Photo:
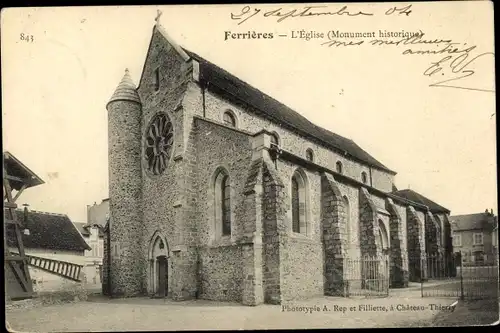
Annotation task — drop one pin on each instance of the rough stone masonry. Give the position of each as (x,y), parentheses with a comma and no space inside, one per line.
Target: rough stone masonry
(218,191)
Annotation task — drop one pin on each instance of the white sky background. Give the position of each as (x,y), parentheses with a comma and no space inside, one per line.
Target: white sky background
(441,141)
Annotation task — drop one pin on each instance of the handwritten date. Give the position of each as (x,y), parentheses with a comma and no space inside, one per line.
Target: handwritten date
(281,14)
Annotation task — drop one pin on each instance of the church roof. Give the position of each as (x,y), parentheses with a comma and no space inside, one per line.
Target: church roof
(48,231)
(279,112)
(126,90)
(270,107)
(419,198)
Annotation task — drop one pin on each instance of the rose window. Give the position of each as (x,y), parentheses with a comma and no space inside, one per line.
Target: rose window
(159,140)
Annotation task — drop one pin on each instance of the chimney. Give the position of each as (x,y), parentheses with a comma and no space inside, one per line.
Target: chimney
(491,209)
(26,231)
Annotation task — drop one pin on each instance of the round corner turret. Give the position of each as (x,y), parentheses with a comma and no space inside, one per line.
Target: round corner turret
(126,90)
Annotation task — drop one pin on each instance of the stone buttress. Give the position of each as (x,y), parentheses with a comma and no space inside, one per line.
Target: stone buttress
(398,255)
(416,246)
(333,221)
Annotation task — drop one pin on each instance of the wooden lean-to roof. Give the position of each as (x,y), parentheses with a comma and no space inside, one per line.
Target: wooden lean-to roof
(19,174)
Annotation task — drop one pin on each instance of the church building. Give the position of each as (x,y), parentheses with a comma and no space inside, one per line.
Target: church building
(220,192)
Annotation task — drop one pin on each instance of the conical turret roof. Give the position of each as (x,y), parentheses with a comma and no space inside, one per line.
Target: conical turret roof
(126,90)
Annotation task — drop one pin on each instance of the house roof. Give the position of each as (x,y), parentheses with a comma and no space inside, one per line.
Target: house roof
(85,228)
(17,169)
(49,231)
(419,198)
(482,221)
(280,113)
(82,228)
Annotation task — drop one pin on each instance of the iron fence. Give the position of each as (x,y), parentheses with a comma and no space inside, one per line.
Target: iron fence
(455,276)
(367,276)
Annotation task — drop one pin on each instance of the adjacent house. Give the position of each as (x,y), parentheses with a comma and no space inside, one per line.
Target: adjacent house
(54,237)
(92,232)
(475,236)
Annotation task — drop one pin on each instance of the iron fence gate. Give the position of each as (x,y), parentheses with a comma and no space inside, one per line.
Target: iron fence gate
(461,275)
(367,276)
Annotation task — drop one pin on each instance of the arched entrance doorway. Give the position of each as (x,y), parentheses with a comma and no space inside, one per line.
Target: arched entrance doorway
(158,266)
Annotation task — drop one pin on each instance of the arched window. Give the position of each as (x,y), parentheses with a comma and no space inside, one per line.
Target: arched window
(275,141)
(229,119)
(222,204)
(383,236)
(299,202)
(295,205)
(339,166)
(364,178)
(309,155)
(347,211)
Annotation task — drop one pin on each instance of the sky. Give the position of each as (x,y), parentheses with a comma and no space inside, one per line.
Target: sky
(439,140)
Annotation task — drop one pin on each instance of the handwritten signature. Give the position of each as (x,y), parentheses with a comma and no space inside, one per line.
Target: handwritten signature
(459,66)
(456,65)
(248,12)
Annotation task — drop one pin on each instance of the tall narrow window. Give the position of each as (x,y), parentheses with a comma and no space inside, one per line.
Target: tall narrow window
(364,178)
(157,79)
(226,206)
(222,225)
(229,119)
(274,140)
(295,205)
(299,196)
(339,167)
(347,211)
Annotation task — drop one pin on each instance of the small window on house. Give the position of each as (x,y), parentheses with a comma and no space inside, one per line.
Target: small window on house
(309,155)
(157,79)
(457,240)
(229,119)
(275,140)
(478,238)
(339,167)
(364,179)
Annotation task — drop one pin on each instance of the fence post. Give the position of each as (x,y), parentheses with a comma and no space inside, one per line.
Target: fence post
(421,278)
(388,274)
(461,278)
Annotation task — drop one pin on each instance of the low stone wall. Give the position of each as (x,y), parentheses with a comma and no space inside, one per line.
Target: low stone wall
(69,294)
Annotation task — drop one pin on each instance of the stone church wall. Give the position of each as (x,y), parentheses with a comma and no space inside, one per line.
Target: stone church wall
(305,269)
(164,196)
(302,253)
(221,262)
(221,273)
